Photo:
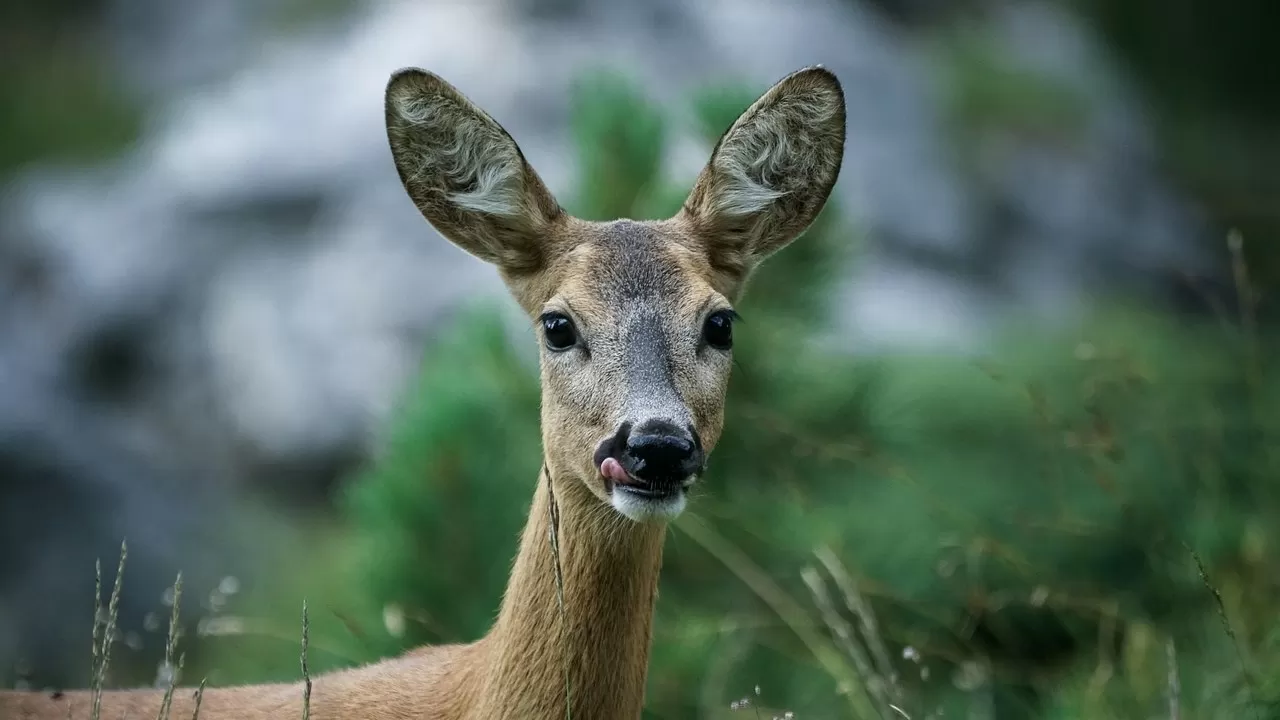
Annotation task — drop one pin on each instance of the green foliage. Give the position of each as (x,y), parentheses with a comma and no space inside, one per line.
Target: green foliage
(1021,521)
(620,141)
(57,99)
(475,393)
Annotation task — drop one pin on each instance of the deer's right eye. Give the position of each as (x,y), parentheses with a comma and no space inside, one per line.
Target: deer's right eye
(559,332)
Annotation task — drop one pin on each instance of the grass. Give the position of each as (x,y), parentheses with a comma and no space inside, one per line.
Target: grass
(102,643)
(1221,608)
(853,633)
(104,630)
(306,672)
(171,643)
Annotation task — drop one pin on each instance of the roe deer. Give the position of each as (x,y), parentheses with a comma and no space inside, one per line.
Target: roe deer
(636,325)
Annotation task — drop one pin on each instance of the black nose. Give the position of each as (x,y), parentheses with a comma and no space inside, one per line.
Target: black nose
(659,453)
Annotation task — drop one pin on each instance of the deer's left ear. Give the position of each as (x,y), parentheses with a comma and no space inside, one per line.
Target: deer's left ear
(771,173)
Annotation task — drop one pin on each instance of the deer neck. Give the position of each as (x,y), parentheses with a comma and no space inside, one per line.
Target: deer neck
(592,627)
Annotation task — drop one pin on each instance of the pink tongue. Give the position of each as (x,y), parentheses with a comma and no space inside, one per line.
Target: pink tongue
(612,469)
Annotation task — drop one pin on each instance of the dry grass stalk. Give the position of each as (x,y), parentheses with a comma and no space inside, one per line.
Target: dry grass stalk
(199,697)
(1227,628)
(848,642)
(102,650)
(306,672)
(861,610)
(166,705)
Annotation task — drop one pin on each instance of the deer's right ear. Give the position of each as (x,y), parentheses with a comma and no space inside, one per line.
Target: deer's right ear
(466,174)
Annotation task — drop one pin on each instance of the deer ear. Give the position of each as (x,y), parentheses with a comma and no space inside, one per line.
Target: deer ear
(771,172)
(465,173)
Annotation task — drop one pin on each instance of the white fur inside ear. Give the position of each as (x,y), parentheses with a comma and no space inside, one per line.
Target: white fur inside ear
(742,162)
(772,153)
(464,149)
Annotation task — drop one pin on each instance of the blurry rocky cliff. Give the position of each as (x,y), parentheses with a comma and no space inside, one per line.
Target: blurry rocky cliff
(223,291)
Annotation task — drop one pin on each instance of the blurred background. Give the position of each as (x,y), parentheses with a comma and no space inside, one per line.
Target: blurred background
(1007,412)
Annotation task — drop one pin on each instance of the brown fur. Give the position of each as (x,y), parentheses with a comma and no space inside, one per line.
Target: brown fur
(575,625)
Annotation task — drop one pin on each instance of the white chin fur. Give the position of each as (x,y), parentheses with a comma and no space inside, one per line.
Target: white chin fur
(646,509)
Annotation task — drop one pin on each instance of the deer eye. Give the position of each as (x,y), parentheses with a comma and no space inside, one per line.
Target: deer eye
(718,329)
(559,332)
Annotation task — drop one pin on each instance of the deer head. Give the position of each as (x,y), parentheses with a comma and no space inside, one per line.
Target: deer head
(635,319)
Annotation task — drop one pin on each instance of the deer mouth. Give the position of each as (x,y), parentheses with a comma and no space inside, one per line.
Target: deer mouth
(618,478)
(644,500)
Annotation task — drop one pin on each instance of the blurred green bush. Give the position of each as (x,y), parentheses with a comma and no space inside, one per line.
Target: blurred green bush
(58,98)
(1022,524)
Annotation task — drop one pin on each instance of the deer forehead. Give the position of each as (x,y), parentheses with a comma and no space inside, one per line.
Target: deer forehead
(621,271)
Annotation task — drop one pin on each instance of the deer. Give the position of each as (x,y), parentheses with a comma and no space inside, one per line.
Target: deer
(635,325)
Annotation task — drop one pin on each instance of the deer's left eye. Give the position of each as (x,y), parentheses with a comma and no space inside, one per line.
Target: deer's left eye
(718,330)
